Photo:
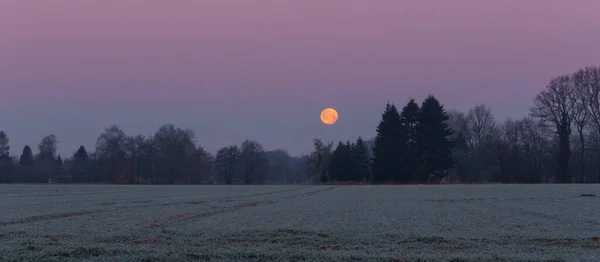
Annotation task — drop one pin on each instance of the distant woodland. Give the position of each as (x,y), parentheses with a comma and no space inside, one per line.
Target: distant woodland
(558,142)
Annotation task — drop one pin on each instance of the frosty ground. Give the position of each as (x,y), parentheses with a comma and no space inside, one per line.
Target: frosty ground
(290,223)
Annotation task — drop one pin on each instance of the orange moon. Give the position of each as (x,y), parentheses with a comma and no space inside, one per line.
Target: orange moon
(329,116)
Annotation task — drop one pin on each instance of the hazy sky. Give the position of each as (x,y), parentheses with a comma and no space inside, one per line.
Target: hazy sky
(232,70)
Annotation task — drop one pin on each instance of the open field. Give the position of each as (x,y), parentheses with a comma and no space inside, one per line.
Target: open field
(290,223)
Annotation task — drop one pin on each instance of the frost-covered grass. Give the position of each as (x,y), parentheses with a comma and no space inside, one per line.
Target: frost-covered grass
(290,223)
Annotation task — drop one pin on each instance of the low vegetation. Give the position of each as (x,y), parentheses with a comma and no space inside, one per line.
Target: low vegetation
(291,223)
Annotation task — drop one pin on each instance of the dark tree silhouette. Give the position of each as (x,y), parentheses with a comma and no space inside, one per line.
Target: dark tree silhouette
(46,162)
(554,106)
(4,147)
(226,163)
(342,166)
(81,168)
(110,150)
(5,161)
(317,164)
(411,146)
(175,146)
(586,98)
(433,140)
(410,161)
(362,161)
(26,158)
(254,162)
(388,149)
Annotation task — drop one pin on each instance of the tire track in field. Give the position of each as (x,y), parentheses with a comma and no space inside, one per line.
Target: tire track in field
(264,194)
(190,216)
(54,216)
(125,193)
(78,193)
(164,222)
(314,192)
(33,219)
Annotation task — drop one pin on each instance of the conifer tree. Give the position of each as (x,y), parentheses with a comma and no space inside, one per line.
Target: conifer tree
(361,160)
(388,148)
(338,162)
(433,140)
(81,168)
(352,173)
(26,158)
(410,161)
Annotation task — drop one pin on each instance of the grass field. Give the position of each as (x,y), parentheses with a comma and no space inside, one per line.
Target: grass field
(290,223)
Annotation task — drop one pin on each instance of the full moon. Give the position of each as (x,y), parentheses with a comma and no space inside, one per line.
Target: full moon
(329,116)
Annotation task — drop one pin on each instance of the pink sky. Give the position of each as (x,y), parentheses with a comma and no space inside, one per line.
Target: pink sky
(264,69)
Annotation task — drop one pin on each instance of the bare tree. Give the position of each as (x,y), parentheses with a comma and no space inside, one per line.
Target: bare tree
(472,140)
(319,160)
(520,149)
(203,163)
(46,162)
(592,156)
(48,146)
(511,166)
(226,163)
(134,148)
(254,162)
(111,141)
(533,146)
(580,119)
(4,148)
(587,100)
(457,121)
(479,125)
(110,149)
(5,160)
(587,84)
(555,108)
(175,148)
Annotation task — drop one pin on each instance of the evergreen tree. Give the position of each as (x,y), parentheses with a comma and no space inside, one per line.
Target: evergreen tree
(410,119)
(26,159)
(388,148)
(337,165)
(350,162)
(81,168)
(351,166)
(433,140)
(361,160)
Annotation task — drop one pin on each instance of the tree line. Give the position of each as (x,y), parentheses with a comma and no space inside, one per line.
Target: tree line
(170,156)
(420,143)
(564,118)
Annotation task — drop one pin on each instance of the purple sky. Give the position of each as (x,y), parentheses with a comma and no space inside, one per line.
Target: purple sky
(264,70)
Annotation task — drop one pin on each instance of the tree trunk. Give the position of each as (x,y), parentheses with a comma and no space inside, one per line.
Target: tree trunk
(582,156)
(563,157)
